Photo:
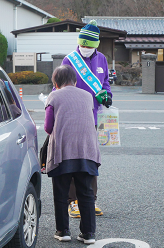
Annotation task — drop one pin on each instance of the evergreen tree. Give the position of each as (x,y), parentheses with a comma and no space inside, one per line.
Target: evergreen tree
(3,48)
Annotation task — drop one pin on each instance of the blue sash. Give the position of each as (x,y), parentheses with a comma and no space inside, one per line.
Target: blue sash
(84,72)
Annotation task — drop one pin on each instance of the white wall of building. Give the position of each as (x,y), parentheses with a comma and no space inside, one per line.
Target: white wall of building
(12,18)
(7,23)
(28,19)
(49,42)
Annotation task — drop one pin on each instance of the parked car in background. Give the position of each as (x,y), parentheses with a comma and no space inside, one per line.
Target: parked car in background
(112,76)
(20,176)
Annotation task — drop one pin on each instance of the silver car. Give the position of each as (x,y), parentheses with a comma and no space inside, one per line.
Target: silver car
(20,175)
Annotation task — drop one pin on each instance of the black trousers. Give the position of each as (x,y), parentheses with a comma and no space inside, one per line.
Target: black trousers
(85,196)
(72,190)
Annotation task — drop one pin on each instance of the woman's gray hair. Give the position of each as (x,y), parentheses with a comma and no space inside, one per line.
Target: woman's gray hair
(63,75)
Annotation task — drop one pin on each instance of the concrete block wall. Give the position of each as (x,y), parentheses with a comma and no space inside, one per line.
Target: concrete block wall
(45,67)
(57,59)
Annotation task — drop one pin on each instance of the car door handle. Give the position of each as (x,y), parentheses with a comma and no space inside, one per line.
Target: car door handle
(21,140)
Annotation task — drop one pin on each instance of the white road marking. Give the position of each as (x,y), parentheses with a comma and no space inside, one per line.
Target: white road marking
(120,111)
(102,242)
(140,128)
(37,110)
(135,127)
(143,128)
(140,111)
(153,127)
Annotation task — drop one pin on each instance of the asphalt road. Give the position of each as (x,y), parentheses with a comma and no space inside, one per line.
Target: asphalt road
(131,177)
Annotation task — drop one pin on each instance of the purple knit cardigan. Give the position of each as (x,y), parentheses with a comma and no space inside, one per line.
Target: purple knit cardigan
(74,135)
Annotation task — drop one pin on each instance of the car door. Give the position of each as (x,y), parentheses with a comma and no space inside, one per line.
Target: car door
(13,148)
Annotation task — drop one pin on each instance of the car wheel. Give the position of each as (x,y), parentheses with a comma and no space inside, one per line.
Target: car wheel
(26,235)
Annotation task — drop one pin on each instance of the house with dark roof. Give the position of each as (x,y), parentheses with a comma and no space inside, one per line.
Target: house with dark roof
(18,14)
(61,38)
(144,35)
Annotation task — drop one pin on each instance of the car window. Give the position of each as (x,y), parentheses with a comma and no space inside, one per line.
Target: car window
(4,112)
(9,109)
(4,78)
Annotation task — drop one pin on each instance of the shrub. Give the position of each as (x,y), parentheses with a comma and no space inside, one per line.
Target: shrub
(3,48)
(51,20)
(28,77)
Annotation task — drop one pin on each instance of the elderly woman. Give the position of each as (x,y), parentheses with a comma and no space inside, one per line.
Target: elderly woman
(73,152)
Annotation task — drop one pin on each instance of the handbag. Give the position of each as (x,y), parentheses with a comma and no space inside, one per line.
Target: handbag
(43,155)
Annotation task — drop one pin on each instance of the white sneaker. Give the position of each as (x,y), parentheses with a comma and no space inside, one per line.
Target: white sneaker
(63,236)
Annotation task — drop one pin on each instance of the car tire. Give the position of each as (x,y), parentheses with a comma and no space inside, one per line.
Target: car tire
(26,235)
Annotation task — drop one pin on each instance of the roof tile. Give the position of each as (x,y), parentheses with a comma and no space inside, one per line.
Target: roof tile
(133,25)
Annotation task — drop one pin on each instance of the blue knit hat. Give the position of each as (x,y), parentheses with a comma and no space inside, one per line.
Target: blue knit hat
(89,35)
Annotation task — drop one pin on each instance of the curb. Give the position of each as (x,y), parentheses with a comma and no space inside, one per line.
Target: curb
(34,89)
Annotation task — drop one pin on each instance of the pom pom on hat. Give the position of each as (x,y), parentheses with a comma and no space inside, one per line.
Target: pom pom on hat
(93,22)
(89,35)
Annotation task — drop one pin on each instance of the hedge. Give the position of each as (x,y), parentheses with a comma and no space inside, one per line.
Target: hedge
(3,48)
(28,77)
(52,20)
